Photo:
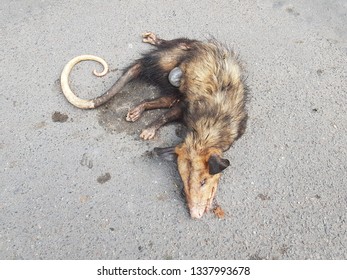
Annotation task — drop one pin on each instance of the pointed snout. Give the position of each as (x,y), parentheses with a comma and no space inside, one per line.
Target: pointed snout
(197,213)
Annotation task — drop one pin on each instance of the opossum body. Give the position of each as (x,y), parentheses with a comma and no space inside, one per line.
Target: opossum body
(203,85)
(214,113)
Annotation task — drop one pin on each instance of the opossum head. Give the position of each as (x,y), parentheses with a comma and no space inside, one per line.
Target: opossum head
(200,171)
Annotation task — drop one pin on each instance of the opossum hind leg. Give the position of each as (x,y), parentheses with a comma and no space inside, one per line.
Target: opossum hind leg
(173,114)
(158,103)
(151,38)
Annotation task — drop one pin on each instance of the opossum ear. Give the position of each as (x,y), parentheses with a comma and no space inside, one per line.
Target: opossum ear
(217,164)
(166,153)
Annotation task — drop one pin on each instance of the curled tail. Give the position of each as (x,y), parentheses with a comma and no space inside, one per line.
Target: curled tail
(131,73)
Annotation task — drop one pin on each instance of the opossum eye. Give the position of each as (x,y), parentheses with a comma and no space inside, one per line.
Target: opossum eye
(202,183)
(175,76)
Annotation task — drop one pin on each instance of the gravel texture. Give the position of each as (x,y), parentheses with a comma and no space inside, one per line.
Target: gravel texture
(79,184)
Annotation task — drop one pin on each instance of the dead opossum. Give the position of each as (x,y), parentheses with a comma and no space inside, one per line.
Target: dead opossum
(205,88)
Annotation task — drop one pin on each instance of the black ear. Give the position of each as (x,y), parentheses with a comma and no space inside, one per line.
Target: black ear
(217,164)
(166,153)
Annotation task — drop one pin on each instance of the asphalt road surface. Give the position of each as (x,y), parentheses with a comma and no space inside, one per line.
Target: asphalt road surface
(81,184)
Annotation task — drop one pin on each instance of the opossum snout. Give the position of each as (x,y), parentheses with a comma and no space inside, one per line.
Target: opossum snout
(197,208)
(175,76)
(197,213)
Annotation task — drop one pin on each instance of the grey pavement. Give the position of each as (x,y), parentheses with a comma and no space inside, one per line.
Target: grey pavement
(79,184)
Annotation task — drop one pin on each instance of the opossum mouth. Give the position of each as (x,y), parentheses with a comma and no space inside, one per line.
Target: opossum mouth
(210,200)
(198,210)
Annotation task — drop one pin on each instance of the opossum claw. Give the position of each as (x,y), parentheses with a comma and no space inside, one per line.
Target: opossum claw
(148,133)
(135,113)
(150,38)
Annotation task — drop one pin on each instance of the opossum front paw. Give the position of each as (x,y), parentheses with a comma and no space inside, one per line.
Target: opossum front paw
(148,133)
(150,38)
(135,113)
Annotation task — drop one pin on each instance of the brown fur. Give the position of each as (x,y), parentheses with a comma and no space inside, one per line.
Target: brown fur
(214,96)
(215,118)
